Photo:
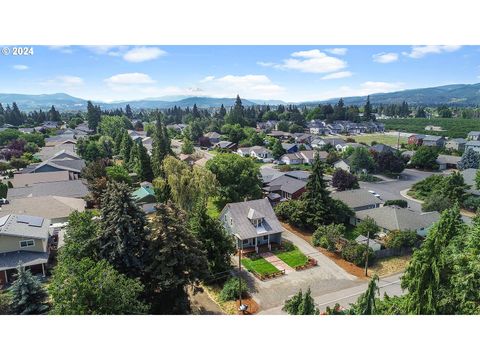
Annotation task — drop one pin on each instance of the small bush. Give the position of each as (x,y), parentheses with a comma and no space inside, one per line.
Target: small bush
(401,239)
(472,203)
(230,289)
(355,253)
(400,203)
(288,246)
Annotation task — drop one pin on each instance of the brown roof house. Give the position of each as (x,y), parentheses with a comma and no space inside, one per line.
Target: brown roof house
(252,224)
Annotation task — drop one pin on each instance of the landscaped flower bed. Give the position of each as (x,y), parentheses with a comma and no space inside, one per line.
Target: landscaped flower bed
(310,263)
(260,267)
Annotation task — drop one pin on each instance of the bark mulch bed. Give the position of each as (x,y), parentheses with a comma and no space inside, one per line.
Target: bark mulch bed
(311,263)
(345,265)
(252,306)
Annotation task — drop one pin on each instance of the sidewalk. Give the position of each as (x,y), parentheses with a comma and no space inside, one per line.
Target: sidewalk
(275,261)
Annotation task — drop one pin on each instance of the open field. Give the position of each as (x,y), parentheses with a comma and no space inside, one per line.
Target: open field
(379,138)
(453,128)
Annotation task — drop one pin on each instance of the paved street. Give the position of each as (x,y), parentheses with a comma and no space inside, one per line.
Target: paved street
(390,190)
(325,278)
(344,297)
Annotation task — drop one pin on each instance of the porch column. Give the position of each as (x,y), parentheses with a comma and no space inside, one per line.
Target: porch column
(43,270)
(268,242)
(6,277)
(256,244)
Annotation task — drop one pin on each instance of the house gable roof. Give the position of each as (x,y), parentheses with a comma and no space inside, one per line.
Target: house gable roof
(356,198)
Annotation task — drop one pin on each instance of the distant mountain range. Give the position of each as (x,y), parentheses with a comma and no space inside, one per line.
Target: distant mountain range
(457,94)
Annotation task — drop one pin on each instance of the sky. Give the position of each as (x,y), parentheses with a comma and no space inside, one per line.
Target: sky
(289,73)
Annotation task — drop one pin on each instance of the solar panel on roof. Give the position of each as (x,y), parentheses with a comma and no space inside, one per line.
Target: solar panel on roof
(30,220)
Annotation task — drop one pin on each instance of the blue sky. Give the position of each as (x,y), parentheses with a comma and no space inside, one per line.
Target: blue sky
(290,73)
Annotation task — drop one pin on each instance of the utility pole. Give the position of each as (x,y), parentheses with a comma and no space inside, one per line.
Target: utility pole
(366,254)
(241,307)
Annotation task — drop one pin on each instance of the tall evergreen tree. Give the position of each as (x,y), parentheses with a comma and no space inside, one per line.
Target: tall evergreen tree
(123,230)
(175,260)
(237,113)
(366,302)
(367,110)
(93,116)
(126,147)
(128,111)
(222,112)
(427,274)
(217,244)
(54,115)
(28,296)
(142,165)
(160,147)
(15,117)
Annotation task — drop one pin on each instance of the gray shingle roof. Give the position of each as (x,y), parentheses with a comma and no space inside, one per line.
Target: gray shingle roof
(356,198)
(49,151)
(12,259)
(69,188)
(66,164)
(243,228)
(27,179)
(396,218)
(10,225)
(286,183)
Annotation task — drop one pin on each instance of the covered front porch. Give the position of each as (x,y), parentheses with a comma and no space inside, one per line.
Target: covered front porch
(258,244)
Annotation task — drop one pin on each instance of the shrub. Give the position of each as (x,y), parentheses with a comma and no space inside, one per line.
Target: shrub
(285,168)
(400,203)
(400,239)
(355,253)
(327,236)
(230,289)
(343,180)
(436,202)
(472,203)
(5,303)
(288,246)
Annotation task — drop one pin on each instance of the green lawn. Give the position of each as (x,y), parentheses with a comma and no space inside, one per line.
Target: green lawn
(293,258)
(212,209)
(379,138)
(260,266)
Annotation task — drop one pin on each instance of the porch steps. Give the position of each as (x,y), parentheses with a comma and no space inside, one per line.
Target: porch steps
(275,261)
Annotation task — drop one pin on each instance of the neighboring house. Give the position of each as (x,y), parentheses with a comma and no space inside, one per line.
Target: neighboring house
(261,153)
(432,140)
(291,159)
(457,144)
(147,143)
(345,146)
(187,158)
(280,135)
(318,127)
(74,167)
(144,196)
(226,145)
(337,143)
(357,200)
(287,187)
(28,179)
(252,224)
(177,127)
(473,144)
(26,130)
(298,174)
(46,153)
(201,162)
(469,176)
(473,135)
(447,161)
(415,139)
(309,155)
(290,148)
(390,218)
(342,164)
(382,148)
(213,136)
(268,174)
(301,138)
(23,239)
(372,243)
(58,140)
(66,188)
(55,208)
(244,151)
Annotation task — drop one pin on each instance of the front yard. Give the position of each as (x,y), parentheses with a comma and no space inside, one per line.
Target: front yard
(259,265)
(293,258)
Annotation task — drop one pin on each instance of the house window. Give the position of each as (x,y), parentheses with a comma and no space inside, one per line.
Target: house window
(231,222)
(265,237)
(27,243)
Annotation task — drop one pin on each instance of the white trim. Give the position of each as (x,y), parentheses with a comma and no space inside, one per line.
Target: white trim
(27,242)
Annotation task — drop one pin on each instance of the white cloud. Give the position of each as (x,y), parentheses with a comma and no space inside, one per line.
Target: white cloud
(107,49)
(250,86)
(21,67)
(418,52)
(140,54)
(385,58)
(63,81)
(337,75)
(312,61)
(207,78)
(129,79)
(265,63)
(337,51)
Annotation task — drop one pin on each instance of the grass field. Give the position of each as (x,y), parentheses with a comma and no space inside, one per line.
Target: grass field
(379,138)
(453,128)
(260,266)
(293,258)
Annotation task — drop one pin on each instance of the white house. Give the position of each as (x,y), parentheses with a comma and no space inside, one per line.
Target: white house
(261,153)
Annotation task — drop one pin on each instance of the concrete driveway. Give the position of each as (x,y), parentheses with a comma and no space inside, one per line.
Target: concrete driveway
(325,278)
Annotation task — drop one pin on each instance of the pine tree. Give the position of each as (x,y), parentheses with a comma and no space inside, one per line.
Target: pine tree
(15,117)
(366,302)
(123,230)
(187,146)
(237,113)
(222,112)
(470,160)
(126,147)
(93,116)
(367,110)
(160,147)
(307,306)
(54,115)
(175,260)
(217,244)
(28,296)
(195,112)
(128,112)
(143,167)
(277,149)
(427,274)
